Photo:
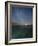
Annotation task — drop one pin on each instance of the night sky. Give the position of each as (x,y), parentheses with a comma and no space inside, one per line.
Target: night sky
(21,15)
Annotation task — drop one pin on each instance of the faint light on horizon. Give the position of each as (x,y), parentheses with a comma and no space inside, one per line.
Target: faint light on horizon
(26,24)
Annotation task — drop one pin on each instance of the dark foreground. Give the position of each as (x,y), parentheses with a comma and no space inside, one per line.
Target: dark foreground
(21,31)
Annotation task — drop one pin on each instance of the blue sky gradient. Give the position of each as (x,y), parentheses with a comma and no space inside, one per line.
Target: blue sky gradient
(21,15)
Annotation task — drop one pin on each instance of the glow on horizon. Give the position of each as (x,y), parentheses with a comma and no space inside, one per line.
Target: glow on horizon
(26,24)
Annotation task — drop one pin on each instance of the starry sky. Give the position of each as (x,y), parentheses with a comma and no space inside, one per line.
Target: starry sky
(21,15)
